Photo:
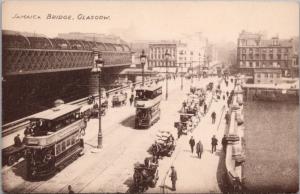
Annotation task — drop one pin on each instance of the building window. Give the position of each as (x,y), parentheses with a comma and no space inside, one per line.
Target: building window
(256,56)
(266,75)
(271,56)
(271,50)
(250,64)
(243,57)
(258,75)
(264,56)
(258,81)
(250,50)
(243,50)
(278,50)
(251,56)
(256,64)
(271,75)
(278,75)
(279,56)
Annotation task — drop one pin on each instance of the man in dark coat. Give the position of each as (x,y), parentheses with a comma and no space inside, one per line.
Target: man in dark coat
(18,141)
(213,117)
(131,99)
(192,144)
(70,190)
(205,108)
(214,143)
(227,117)
(199,149)
(173,176)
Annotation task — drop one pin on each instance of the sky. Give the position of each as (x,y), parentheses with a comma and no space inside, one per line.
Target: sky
(219,21)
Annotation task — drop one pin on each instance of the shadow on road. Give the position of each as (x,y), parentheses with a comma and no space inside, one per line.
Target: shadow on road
(20,169)
(128,122)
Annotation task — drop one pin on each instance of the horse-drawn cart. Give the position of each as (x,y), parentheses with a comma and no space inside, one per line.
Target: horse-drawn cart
(119,99)
(145,176)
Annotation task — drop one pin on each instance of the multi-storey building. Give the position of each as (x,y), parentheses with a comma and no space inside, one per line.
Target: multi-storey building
(255,52)
(156,57)
(267,76)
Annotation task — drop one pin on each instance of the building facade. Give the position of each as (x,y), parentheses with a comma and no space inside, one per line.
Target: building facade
(254,51)
(267,76)
(157,60)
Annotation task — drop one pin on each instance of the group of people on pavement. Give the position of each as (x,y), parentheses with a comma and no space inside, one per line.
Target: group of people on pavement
(199,146)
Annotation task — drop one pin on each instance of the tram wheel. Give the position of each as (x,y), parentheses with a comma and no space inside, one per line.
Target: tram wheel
(11,160)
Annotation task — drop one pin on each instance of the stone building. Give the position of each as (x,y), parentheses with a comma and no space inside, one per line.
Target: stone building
(255,52)
(156,57)
(267,76)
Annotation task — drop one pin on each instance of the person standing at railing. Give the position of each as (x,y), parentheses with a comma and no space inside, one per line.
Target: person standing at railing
(214,143)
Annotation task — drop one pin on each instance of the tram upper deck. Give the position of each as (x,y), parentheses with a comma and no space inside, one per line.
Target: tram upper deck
(52,125)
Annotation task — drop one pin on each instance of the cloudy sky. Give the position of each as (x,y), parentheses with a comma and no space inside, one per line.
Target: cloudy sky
(152,20)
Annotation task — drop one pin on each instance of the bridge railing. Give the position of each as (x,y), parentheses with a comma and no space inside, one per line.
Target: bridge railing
(20,124)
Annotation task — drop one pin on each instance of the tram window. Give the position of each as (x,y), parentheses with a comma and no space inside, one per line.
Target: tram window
(68,142)
(73,139)
(58,149)
(63,146)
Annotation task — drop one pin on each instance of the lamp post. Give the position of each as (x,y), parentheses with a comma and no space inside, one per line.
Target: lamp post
(192,71)
(167,55)
(143,61)
(97,70)
(199,69)
(181,86)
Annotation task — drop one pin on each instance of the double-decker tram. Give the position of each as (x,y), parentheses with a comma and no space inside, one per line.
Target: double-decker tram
(54,140)
(147,105)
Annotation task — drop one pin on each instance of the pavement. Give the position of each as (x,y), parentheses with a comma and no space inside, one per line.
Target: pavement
(195,175)
(111,169)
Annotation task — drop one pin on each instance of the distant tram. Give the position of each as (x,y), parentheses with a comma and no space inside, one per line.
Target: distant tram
(54,140)
(147,105)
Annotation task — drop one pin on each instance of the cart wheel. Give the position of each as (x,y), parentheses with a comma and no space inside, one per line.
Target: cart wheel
(11,160)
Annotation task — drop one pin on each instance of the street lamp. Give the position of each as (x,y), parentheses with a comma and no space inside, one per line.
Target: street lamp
(192,71)
(199,69)
(181,86)
(97,70)
(167,56)
(143,61)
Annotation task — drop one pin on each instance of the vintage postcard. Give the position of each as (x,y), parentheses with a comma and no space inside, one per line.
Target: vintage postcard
(150,96)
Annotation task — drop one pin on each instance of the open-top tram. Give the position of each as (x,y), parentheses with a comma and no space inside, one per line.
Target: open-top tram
(147,105)
(54,140)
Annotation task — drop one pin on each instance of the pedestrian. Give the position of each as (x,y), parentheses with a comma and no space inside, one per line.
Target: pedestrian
(227,117)
(224,143)
(28,131)
(192,143)
(227,93)
(205,108)
(199,148)
(70,190)
(213,117)
(214,143)
(173,176)
(179,129)
(223,97)
(131,99)
(17,140)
